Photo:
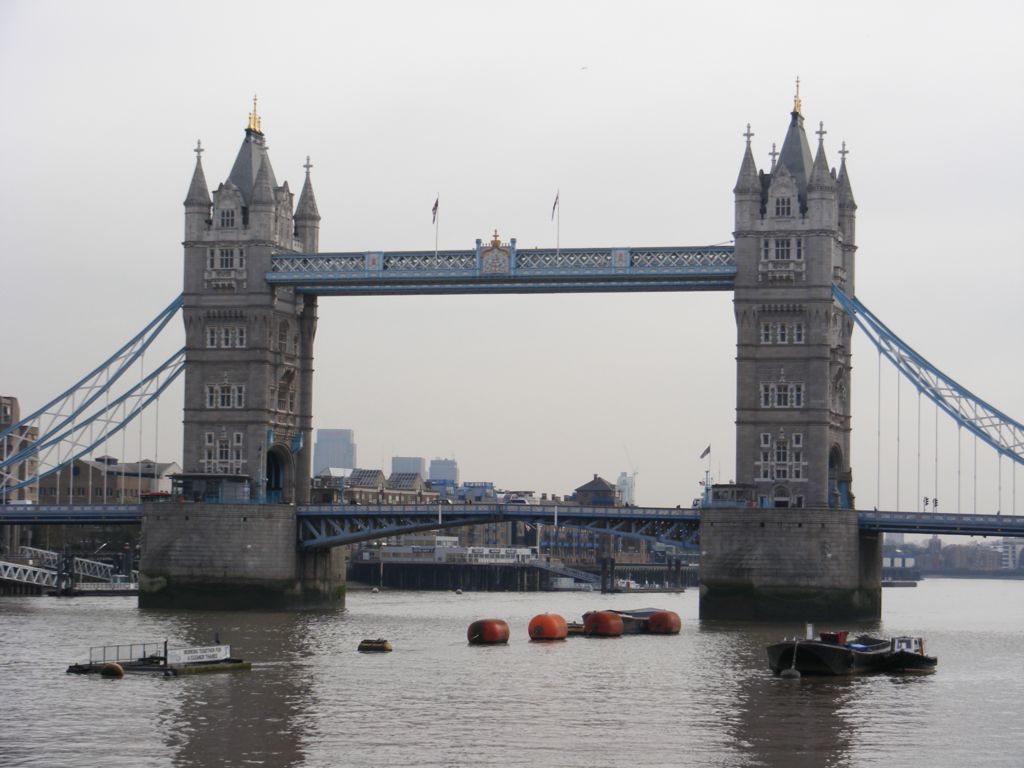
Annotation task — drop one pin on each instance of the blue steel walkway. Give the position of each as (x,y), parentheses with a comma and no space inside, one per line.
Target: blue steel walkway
(502,268)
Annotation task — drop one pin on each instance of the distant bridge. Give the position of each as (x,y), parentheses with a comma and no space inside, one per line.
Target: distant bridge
(324,526)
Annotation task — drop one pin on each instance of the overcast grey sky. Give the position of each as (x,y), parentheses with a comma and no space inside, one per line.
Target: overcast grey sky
(633,110)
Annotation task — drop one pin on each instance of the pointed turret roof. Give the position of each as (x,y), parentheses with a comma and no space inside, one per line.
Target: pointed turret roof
(821,177)
(306,209)
(252,156)
(796,154)
(262,190)
(843,183)
(198,192)
(748,180)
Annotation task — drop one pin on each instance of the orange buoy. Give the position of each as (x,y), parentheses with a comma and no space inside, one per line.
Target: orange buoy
(112,669)
(602,624)
(664,623)
(487,632)
(548,626)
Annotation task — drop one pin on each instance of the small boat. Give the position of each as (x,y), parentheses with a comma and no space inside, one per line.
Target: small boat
(158,659)
(380,645)
(830,654)
(575,628)
(907,655)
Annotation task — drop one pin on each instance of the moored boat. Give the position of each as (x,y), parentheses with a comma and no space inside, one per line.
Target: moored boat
(907,655)
(830,654)
(158,659)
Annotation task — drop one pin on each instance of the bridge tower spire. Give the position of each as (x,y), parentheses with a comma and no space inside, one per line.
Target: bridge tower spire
(249,346)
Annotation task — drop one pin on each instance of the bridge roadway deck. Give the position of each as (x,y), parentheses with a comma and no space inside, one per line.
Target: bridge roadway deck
(329,525)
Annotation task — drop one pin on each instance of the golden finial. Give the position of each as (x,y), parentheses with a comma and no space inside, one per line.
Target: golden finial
(497,240)
(254,119)
(796,99)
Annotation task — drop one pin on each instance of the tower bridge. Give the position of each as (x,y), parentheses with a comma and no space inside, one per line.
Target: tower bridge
(253,274)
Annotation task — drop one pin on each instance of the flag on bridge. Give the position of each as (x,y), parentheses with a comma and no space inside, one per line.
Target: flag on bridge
(555,206)
(706,452)
(433,211)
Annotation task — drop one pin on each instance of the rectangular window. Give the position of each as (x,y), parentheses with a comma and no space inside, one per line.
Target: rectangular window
(766,333)
(239,395)
(238,438)
(781,472)
(782,249)
(766,396)
(781,452)
(225,338)
(209,438)
(211,397)
(796,471)
(237,454)
(783,333)
(211,337)
(291,402)
(783,206)
(798,333)
(241,258)
(781,397)
(211,259)
(223,453)
(240,339)
(798,439)
(766,440)
(799,249)
(798,501)
(227,258)
(225,396)
(798,395)
(765,249)
(227,219)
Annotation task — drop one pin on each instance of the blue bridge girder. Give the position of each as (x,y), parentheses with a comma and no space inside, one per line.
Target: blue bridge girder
(70,514)
(1009,526)
(548,270)
(332,525)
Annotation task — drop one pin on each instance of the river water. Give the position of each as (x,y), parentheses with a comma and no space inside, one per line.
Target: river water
(703,698)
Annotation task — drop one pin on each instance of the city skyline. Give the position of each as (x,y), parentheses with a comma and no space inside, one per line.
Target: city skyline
(639,149)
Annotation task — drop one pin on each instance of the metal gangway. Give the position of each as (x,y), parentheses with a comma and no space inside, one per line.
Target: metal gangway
(22,573)
(564,570)
(81,567)
(65,573)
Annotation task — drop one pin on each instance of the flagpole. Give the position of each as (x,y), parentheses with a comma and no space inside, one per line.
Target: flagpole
(437,224)
(558,227)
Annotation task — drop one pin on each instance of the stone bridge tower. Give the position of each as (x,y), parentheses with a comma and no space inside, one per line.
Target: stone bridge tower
(796,551)
(249,346)
(795,237)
